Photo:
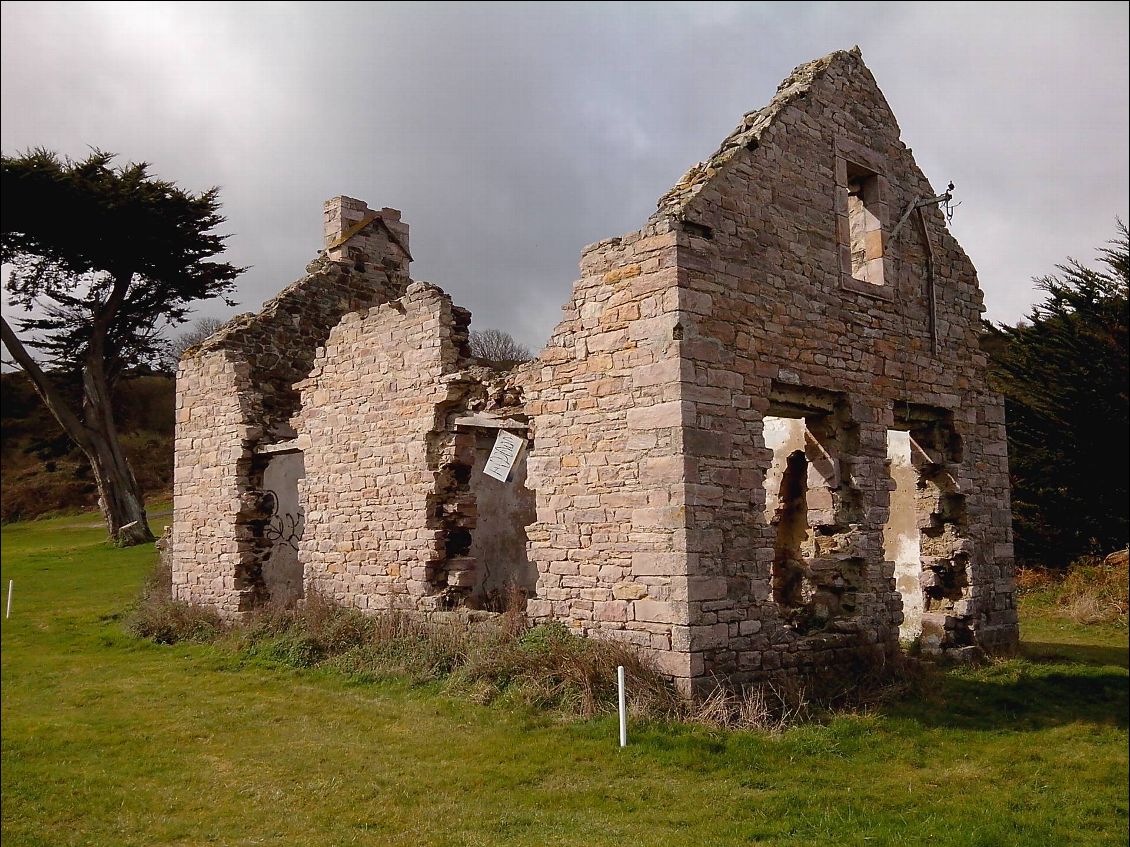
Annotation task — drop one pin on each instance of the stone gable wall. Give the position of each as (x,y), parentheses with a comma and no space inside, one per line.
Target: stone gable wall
(236,394)
(768,305)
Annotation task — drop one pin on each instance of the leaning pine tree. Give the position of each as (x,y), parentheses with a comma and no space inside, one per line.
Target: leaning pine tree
(102,259)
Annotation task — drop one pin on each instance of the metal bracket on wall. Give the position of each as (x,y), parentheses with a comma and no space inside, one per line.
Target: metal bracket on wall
(917,203)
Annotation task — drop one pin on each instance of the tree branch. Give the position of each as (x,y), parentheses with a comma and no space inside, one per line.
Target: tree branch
(46,390)
(121,287)
(102,319)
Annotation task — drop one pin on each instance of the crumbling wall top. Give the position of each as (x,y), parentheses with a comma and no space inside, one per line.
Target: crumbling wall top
(746,135)
(364,263)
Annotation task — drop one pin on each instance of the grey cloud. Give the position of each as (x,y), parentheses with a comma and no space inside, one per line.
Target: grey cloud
(510,136)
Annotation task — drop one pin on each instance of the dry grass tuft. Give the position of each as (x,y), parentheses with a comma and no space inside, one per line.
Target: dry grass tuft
(1095,591)
(485,658)
(769,707)
(488,658)
(1034,579)
(159,617)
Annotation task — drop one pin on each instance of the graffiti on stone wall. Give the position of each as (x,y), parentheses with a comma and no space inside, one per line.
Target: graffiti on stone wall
(282,527)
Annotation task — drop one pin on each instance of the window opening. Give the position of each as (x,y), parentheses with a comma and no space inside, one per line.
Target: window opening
(865,226)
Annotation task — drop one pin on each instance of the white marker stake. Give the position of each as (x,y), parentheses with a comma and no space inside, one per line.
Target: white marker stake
(9,599)
(623,706)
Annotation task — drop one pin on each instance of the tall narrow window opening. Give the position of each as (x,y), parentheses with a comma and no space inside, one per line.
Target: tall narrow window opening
(925,536)
(862,220)
(865,225)
(791,586)
(812,508)
(902,540)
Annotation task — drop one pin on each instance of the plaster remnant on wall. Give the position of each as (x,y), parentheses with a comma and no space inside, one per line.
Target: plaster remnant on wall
(901,536)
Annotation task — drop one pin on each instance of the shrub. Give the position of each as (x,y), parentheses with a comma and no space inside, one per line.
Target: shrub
(157,616)
(483,657)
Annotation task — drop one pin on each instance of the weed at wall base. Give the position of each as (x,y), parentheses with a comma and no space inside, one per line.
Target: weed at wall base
(496,658)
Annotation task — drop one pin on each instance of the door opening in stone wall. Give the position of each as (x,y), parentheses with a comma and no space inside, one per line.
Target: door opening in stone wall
(817,574)
(280,531)
(933,554)
(901,536)
(502,574)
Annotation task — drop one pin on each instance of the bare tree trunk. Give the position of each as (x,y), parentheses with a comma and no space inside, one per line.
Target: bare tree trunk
(120,497)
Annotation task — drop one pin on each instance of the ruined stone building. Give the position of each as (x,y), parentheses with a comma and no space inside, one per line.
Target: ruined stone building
(759,442)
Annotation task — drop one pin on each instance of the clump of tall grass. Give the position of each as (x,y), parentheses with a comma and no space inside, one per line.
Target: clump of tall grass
(1094,590)
(159,617)
(769,706)
(486,658)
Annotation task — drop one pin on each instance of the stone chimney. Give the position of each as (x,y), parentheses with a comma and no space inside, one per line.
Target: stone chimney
(359,236)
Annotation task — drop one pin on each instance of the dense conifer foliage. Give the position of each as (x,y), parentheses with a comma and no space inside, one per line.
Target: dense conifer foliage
(1063,373)
(103,258)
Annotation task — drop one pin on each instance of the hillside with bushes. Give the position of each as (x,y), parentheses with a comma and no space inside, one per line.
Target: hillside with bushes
(44,472)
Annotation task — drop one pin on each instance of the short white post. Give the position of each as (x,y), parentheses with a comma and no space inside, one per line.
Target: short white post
(623,706)
(9,614)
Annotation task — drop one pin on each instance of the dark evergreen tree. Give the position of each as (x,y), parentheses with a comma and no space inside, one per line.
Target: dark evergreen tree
(1063,373)
(104,257)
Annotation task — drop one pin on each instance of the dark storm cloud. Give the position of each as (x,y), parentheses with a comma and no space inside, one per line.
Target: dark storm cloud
(510,136)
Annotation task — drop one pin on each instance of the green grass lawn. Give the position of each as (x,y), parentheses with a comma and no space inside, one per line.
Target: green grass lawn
(110,740)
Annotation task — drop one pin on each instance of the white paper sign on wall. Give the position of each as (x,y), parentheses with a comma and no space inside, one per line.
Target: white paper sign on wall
(502,457)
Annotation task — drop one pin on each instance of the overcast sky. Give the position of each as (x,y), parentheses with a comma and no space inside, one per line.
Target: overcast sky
(512,135)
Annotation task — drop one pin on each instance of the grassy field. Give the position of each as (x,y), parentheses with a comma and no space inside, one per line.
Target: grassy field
(110,740)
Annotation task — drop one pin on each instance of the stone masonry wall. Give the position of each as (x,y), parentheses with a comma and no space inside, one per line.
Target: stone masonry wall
(737,301)
(378,451)
(209,479)
(768,286)
(768,307)
(606,464)
(235,393)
